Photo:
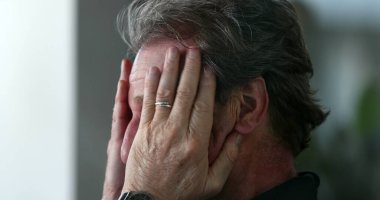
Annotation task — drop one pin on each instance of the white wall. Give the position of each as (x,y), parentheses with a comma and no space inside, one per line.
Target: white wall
(37,58)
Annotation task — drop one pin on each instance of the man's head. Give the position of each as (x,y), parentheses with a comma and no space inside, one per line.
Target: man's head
(245,43)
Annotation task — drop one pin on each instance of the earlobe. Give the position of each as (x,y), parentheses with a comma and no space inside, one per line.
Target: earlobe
(254,106)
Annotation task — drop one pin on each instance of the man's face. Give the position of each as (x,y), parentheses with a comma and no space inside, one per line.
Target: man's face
(153,54)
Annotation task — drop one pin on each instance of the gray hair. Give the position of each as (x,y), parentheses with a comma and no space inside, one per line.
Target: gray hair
(240,40)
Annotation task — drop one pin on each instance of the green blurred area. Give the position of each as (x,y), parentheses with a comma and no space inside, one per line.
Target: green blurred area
(349,164)
(368,121)
(345,150)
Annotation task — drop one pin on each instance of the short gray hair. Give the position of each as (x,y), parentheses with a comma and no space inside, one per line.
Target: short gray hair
(240,40)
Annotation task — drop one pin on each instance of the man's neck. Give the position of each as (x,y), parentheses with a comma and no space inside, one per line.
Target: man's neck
(263,163)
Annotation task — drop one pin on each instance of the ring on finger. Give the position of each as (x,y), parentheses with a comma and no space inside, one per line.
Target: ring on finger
(165,104)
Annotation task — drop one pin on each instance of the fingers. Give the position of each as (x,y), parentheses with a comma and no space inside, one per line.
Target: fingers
(126,66)
(222,167)
(114,177)
(168,82)
(202,115)
(121,113)
(152,79)
(187,88)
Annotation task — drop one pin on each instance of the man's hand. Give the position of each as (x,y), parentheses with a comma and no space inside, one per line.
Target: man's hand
(169,155)
(115,170)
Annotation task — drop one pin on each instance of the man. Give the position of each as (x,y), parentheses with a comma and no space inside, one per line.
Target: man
(217,104)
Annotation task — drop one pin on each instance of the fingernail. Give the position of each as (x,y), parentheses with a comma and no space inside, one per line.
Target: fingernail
(122,65)
(125,64)
(128,63)
(125,67)
(239,139)
(193,47)
(122,68)
(172,52)
(208,73)
(152,72)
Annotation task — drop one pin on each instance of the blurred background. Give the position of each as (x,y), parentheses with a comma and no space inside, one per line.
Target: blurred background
(59,63)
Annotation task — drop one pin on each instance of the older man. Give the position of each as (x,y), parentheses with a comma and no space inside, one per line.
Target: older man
(216,105)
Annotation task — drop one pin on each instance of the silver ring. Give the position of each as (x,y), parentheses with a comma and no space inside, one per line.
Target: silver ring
(165,104)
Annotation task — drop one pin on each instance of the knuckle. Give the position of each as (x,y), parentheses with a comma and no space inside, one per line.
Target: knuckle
(148,103)
(184,93)
(171,65)
(164,94)
(183,103)
(150,93)
(193,57)
(117,116)
(215,188)
(202,107)
(120,99)
(189,68)
(172,128)
(175,129)
(192,148)
(231,155)
(208,82)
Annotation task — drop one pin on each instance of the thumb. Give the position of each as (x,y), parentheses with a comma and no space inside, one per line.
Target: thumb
(222,167)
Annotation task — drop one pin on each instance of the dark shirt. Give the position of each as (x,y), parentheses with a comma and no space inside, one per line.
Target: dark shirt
(304,186)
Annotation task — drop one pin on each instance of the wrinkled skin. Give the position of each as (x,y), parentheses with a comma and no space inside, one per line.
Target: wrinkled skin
(168,152)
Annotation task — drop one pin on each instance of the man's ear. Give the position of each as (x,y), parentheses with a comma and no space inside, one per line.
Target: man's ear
(254,106)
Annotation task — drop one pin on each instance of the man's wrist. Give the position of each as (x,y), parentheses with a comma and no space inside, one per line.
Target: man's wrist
(135,196)
(135,191)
